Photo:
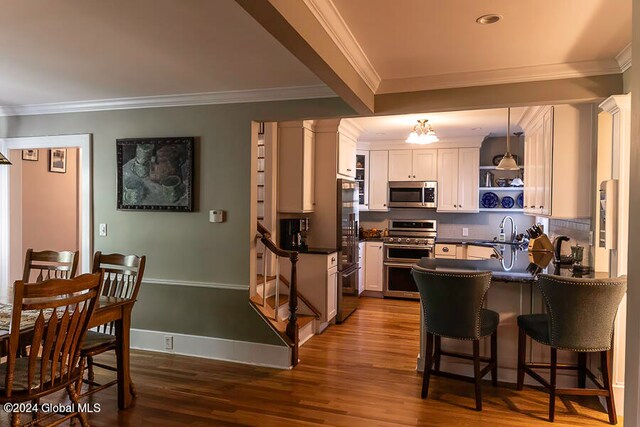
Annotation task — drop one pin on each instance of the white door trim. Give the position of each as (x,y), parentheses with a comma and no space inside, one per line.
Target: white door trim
(83,143)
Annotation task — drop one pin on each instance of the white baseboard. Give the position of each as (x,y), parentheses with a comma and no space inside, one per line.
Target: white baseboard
(248,353)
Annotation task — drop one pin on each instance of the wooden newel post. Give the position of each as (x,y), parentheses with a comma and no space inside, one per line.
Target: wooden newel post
(292,326)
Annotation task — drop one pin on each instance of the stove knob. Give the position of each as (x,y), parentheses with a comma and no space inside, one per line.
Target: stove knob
(407,240)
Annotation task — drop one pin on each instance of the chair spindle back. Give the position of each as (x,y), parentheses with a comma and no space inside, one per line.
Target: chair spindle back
(48,265)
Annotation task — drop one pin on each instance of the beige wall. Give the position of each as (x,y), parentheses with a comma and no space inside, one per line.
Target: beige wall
(50,204)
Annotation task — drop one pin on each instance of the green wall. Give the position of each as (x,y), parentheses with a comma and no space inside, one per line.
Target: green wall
(184,246)
(626,81)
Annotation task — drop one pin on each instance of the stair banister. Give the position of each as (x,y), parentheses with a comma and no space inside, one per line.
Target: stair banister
(292,325)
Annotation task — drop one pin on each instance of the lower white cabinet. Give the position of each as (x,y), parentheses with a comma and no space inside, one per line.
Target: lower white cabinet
(361,263)
(332,293)
(318,282)
(373,266)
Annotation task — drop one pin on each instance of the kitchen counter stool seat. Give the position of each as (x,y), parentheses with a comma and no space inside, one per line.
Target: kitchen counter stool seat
(580,319)
(452,305)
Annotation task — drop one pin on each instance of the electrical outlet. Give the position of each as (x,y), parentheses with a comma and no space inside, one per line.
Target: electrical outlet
(102,230)
(168,342)
(465,232)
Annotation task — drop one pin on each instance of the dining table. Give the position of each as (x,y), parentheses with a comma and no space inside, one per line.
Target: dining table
(109,309)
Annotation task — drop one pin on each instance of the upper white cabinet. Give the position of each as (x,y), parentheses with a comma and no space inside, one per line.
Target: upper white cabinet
(400,165)
(296,167)
(378,180)
(413,165)
(557,161)
(346,156)
(348,133)
(425,165)
(458,179)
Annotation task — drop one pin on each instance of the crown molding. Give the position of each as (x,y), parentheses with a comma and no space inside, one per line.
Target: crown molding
(350,128)
(530,114)
(501,76)
(616,103)
(624,58)
(205,98)
(329,17)
(399,144)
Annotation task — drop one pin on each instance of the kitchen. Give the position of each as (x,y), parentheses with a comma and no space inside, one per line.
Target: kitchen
(447,199)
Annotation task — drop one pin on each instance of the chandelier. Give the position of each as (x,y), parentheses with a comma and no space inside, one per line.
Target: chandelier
(422,134)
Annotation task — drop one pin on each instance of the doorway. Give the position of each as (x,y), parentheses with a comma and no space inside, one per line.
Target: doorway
(22,183)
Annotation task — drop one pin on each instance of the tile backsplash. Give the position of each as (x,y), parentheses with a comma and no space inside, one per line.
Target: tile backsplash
(481,225)
(578,230)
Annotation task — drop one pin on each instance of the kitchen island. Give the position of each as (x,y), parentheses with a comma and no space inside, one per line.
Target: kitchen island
(513,292)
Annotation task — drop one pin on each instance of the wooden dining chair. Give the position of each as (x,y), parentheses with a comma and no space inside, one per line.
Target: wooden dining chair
(49,265)
(56,314)
(122,275)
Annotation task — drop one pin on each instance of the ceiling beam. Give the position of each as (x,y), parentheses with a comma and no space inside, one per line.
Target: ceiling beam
(294,25)
(563,91)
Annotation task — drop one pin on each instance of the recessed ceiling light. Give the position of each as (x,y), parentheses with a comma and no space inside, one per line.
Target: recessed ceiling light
(491,18)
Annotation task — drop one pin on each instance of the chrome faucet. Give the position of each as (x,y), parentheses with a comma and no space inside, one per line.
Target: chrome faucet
(514,228)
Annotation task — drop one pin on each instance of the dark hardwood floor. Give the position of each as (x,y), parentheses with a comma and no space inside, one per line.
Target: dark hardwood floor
(361,373)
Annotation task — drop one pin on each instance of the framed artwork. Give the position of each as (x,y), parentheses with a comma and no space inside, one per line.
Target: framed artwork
(155,174)
(31,155)
(58,160)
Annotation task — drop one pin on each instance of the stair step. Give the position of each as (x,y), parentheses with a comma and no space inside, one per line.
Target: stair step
(303,319)
(284,300)
(261,278)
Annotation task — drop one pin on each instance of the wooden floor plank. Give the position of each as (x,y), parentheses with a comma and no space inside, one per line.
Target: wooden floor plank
(360,373)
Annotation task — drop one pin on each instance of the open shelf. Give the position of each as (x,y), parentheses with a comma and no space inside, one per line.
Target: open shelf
(516,210)
(501,188)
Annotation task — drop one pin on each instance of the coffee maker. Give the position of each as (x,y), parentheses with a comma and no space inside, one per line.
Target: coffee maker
(293,233)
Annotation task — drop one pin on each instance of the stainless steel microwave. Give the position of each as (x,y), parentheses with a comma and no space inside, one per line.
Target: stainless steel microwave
(413,194)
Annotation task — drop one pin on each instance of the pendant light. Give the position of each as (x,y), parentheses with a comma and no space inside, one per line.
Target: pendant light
(4,160)
(508,163)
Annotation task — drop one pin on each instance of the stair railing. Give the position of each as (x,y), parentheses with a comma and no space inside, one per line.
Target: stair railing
(270,247)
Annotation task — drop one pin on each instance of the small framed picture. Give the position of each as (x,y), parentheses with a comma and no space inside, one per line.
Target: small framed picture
(58,160)
(31,155)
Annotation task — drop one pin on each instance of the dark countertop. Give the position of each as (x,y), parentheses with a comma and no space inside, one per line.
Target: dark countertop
(516,266)
(463,241)
(317,251)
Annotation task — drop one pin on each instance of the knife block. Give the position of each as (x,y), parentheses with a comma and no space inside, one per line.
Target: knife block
(541,244)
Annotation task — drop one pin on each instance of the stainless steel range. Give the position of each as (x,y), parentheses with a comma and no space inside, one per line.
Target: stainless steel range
(408,242)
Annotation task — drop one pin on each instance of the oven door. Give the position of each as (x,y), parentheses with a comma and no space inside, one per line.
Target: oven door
(405,253)
(398,281)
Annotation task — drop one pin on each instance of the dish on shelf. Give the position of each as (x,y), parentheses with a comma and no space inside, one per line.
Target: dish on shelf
(507,202)
(520,200)
(489,200)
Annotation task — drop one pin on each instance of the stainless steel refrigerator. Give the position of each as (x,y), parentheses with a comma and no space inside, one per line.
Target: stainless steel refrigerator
(348,268)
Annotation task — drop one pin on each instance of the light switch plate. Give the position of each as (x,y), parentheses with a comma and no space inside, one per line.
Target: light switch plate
(102,230)
(465,232)
(216,215)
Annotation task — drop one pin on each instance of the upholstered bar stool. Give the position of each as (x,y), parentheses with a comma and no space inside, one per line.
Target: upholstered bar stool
(580,318)
(452,303)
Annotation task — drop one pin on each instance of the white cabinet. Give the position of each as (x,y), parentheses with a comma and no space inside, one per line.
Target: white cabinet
(296,167)
(413,165)
(361,263)
(558,147)
(425,165)
(378,180)
(346,156)
(373,266)
(400,165)
(458,179)
(318,282)
(332,293)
